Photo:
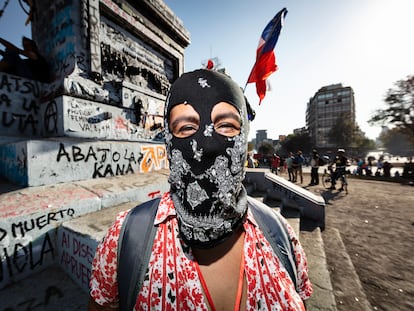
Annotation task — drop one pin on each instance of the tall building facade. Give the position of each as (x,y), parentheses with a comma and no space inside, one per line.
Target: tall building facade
(323,110)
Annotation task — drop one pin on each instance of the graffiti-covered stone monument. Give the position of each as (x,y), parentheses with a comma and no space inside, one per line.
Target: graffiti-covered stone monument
(111,63)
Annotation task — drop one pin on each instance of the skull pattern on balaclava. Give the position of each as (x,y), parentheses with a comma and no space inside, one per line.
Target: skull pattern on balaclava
(207,168)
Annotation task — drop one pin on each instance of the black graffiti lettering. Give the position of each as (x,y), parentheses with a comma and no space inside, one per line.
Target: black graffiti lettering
(105,151)
(77,154)
(29,87)
(16,83)
(30,121)
(20,254)
(3,234)
(52,291)
(131,157)
(97,171)
(33,106)
(21,228)
(116,156)
(109,171)
(23,256)
(4,99)
(28,226)
(91,153)
(16,226)
(29,304)
(5,83)
(62,152)
(23,121)
(129,169)
(35,303)
(41,221)
(4,119)
(47,247)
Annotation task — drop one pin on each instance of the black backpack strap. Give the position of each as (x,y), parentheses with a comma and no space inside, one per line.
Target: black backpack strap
(276,234)
(135,243)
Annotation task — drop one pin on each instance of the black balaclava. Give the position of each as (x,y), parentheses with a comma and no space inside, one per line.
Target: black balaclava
(207,168)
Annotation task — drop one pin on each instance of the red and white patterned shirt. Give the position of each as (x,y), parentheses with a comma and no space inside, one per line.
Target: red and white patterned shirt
(172,281)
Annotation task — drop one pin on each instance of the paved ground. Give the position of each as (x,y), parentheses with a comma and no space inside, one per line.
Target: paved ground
(376,223)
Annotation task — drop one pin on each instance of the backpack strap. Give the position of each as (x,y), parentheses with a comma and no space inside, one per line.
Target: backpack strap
(137,235)
(134,250)
(276,234)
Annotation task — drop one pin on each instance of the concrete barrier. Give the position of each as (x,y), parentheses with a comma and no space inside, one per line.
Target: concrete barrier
(310,205)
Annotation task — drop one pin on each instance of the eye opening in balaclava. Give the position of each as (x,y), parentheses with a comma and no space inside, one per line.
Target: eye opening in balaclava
(184,121)
(206,168)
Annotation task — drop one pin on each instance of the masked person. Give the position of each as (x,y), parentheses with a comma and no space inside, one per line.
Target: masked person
(209,252)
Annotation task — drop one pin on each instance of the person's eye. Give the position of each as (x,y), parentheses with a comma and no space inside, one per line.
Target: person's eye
(185,130)
(227,128)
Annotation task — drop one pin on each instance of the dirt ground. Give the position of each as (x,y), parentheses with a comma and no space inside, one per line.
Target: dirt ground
(376,223)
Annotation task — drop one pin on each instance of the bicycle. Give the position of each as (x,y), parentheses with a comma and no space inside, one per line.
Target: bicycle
(327,179)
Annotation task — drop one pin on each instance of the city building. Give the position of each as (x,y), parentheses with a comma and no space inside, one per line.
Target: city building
(323,110)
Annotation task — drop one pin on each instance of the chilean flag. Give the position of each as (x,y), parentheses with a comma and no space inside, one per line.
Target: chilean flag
(265,57)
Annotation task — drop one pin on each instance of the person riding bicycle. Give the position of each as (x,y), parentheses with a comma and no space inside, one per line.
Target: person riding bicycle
(340,162)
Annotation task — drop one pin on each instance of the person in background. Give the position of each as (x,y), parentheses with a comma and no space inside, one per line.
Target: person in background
(314,163)
(289,166)
(209,253)
(275,163)
(298,162)
(340,162)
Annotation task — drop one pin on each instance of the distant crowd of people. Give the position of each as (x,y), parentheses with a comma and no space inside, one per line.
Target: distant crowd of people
(293,164)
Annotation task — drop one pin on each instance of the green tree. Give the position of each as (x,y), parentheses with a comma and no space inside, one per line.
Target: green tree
(400,108)
(343,132)
(266,149)
(297,142)
(397,143)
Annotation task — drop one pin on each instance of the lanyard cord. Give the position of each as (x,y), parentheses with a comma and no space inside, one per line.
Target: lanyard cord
(239,287)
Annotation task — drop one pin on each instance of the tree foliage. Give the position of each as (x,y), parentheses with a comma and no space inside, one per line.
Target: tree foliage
(400,108)
(342,133)
(347,134)
(397,143)
(266,149)
(293,143)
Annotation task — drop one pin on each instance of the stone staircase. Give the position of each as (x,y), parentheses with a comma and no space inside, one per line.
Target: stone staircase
(61,281)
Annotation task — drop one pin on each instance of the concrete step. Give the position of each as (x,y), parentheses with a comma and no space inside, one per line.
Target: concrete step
(29,217)
(78,239)
(347,286)
(48,290)
(323,297)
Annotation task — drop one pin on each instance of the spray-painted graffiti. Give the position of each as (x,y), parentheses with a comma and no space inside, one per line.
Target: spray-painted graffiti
(107,160)
(37,302)
(13,163)
(57,35)
(76,256)
(154,158)
(22,258)
(27,244)
(19,105)
(94,37)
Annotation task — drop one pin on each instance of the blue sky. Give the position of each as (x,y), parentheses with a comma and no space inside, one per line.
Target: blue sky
(365,44)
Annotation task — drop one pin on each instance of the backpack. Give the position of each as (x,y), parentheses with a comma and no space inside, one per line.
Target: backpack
(137,236)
